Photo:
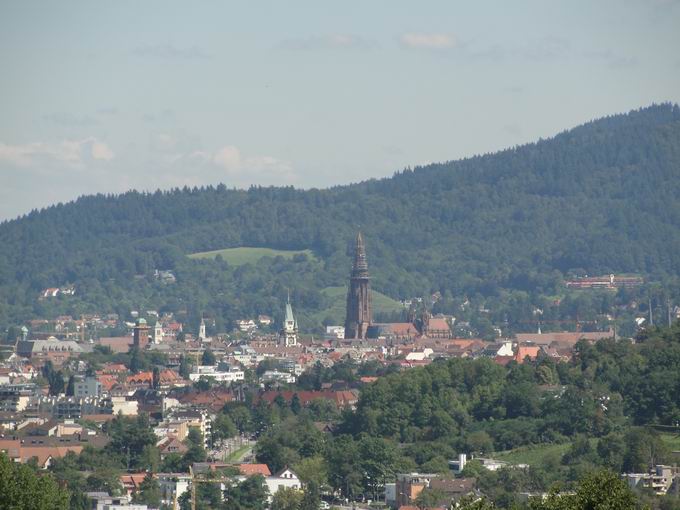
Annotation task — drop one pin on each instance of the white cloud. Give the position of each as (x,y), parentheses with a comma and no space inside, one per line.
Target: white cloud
(101,151)
(429,41)
(72,152)
(230,159)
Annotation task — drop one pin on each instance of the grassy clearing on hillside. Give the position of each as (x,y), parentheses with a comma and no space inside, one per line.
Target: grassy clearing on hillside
(338,295)
(246,255)
(672,441)
(533,455)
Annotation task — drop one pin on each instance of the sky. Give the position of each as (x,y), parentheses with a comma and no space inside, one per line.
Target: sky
(103,97)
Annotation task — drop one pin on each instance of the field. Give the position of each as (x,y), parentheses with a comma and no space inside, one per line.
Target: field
(538,454)
(246,255)
(533,455)
(338,295)
(672,441)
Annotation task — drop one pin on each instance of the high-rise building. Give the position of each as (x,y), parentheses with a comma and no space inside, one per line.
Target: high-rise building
(358,317)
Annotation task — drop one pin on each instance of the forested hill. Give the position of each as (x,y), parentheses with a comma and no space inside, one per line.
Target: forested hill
(600,198)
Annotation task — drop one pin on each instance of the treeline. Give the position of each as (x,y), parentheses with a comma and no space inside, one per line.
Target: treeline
(599,199)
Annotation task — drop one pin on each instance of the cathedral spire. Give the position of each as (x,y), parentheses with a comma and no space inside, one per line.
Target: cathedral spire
(358,317)
(360,266)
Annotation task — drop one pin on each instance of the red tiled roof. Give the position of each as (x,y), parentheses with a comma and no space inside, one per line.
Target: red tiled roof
(254,469)
(167,376)
(368,380)
(107,381)
(526,350)
(132,481)
(438,324)
(402,329)
(42,453)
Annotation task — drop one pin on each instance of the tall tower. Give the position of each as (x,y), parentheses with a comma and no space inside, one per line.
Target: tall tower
(201,330)
(140,335)
(359,294)
(157,333)
(289,332)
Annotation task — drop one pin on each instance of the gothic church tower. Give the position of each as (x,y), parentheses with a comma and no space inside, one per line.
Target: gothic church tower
(359,294)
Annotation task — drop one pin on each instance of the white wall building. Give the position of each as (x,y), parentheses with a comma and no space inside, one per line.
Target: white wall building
(230,375)
(285,478)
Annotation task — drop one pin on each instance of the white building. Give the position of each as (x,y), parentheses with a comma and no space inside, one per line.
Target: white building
(157,333)
(173,486)
(285,478)
(124,406)
(335,332)
(275,375)
(230,374)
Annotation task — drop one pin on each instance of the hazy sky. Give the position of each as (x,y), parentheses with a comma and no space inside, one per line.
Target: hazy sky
(109,96)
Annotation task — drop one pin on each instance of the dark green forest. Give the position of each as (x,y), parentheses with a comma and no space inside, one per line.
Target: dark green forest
(597,199)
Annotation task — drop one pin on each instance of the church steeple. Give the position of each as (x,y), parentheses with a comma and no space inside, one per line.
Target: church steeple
(358,316)
(360,266)
(289,332)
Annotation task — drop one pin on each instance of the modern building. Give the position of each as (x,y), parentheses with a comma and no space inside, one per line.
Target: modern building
(88,387)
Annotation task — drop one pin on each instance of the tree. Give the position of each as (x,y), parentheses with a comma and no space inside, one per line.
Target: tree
(183,367)
(156,378)
(106,480)
(286,498)
(129,437)
(429,498)
(23,489)
(474,503)
(311,498)
(149,492)
(136,360)
(312,470)
(250,494)
(208,358)
(295,404)
(56,383)
(600,490)
(223,428)
(196,451)
(204,383)
(70,387)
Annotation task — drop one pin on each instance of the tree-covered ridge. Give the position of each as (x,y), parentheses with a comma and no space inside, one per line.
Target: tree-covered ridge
(599,198)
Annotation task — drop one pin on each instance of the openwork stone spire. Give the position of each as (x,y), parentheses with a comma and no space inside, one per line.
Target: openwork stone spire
(358,317)
(360,266)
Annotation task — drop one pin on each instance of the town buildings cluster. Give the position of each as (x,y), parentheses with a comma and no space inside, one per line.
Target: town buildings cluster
(41,420)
